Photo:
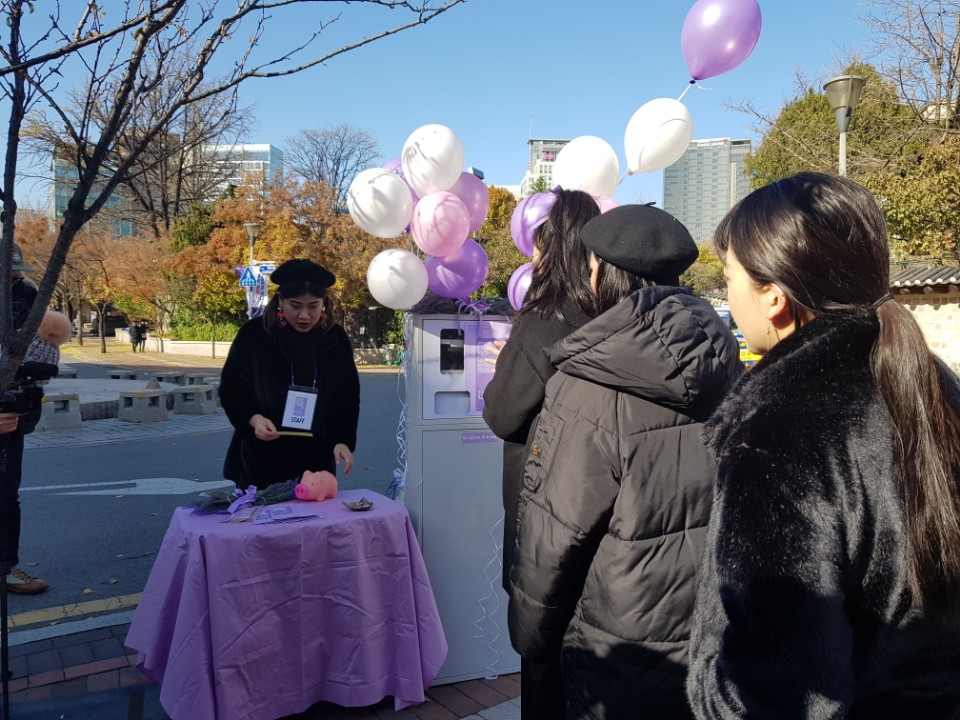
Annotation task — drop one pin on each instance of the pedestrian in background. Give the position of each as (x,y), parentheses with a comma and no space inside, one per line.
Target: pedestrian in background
(134,331)
(143,336)
(558,301)
(617,486)
(831,581)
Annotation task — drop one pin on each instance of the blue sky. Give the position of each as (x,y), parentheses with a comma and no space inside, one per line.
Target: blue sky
(498,71)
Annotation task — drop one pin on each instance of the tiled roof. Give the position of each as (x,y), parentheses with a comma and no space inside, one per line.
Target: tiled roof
(923,275)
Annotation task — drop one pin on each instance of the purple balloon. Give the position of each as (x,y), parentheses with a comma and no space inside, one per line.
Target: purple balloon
(519,284)
(473,192)
(530,213)
(718,35)
(459,274)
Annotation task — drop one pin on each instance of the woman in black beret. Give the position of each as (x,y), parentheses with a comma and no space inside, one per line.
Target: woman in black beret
(290,385)
(617,485)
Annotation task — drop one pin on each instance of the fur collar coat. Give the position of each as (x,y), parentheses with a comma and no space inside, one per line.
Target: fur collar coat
(802,608)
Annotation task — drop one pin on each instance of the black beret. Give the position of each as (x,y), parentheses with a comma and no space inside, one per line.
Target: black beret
(641,239)
(302,270)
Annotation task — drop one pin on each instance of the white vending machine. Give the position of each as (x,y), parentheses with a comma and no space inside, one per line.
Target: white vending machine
(453,488)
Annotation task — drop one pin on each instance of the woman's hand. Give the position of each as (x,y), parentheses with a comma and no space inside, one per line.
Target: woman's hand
(263,428)
(8,422)
(494,352)
(342,453)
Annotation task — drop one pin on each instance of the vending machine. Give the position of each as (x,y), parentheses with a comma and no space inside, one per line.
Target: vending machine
(453,482)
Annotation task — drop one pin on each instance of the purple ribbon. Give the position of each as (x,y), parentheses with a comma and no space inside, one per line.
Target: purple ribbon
(243,498)
(477,307)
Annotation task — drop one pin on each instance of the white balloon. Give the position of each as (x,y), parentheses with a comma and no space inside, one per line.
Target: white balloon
(657,135)
(379,202)
(587,163)
(432,159)
(397,279)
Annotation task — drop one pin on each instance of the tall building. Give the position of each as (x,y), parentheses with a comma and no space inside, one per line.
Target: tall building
(705,183)
(116,213)
(543,154)
(242,163)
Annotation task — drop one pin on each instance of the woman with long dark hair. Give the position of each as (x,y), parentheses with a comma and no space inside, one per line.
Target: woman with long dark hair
(831,581)
(557,302)
(290,385)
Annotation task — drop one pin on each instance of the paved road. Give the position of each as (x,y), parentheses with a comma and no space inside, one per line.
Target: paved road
(96,502)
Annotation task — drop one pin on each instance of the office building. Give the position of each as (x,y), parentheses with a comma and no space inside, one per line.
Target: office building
(543,154)
(233,165)
(705,183)
(116,213)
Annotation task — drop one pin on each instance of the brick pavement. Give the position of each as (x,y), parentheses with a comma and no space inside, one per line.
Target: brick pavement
(69,672)
(52,675)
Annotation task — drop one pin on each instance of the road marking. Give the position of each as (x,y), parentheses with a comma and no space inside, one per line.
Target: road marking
(75,610)
(143,486)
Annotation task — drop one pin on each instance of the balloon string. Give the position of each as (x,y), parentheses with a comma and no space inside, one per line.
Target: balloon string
(686,89)
(622,178)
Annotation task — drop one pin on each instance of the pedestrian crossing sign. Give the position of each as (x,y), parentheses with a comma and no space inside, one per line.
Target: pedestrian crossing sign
(248,279)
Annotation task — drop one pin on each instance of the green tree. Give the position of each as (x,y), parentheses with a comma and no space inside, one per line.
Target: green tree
(706,274)
(922,203)
(194,228)
(540,185)
(803,136)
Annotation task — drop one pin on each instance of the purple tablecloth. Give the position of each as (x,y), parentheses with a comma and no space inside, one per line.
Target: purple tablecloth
(247,622)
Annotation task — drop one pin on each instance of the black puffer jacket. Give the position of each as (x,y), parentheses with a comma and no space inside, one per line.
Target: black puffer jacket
(803,609)
(256,376)
(513,398)
(617,495)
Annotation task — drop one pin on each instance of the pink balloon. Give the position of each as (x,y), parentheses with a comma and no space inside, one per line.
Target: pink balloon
(606,203)
(440,223)
(459,274)
(518,285)
(394,166)
(718,35)
(530,213)
(473,192)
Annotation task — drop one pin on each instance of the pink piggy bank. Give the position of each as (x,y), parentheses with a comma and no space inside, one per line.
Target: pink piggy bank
(317,486)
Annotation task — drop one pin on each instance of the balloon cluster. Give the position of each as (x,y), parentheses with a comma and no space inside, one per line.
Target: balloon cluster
(717,36)
(425,192)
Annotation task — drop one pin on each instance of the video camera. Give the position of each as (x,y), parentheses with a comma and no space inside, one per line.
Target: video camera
(26,394)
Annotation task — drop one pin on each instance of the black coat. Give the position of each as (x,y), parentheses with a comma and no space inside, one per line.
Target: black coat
(255,379)
(617,493)
(803,609)
(513,398)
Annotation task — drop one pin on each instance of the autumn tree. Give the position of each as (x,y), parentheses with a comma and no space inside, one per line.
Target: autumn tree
(331,156)
(494,237)
(123,57)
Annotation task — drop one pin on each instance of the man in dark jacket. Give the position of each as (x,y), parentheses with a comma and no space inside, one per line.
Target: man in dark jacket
(618,485)
(12,429)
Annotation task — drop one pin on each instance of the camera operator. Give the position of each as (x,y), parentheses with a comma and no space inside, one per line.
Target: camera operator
(13,426)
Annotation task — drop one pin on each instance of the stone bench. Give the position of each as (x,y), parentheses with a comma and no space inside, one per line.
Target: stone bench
(196,378)
(214,382)
(146,405)
(171,376)
(123,374)
(60,411)
(194,400)
(65,371)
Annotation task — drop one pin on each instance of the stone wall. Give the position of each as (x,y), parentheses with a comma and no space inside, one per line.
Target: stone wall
(938,315)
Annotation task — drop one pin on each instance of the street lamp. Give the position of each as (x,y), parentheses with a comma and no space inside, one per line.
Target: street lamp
(253,232)
(843,94)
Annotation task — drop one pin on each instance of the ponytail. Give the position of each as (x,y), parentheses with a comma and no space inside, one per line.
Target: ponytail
(927,442)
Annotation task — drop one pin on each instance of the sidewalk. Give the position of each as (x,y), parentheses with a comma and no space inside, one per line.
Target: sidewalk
(79,669)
